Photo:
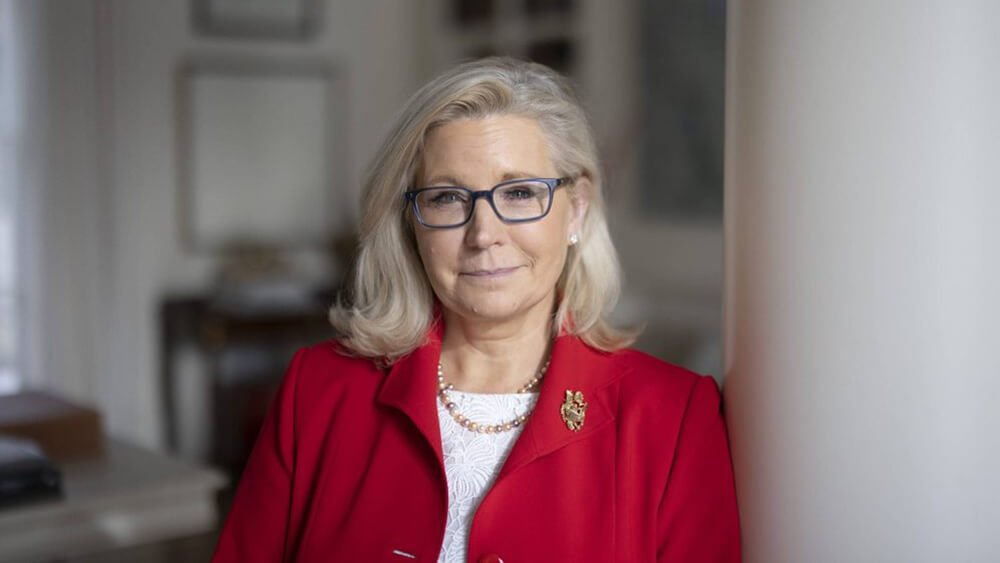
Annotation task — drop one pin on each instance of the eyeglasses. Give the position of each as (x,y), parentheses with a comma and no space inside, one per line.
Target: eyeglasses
(516,201)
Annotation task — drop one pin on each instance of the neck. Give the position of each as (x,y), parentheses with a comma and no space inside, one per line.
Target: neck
(480,357)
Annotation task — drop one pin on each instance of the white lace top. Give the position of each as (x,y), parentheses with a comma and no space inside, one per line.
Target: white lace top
(472,460)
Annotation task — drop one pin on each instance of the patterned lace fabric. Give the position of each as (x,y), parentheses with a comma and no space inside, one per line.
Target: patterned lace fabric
(472,460)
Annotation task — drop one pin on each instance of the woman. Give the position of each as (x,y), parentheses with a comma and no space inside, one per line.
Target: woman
(478,405)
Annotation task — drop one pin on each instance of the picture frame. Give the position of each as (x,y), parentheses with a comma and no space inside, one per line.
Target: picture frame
(683,48)
(256,19)
(260,154)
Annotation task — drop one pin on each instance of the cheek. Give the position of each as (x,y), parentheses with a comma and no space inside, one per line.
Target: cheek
(431,257)
(435,252)
(558,254)
(550,254)
(548,243)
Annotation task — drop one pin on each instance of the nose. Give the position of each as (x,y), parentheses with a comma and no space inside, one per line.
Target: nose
(484,229)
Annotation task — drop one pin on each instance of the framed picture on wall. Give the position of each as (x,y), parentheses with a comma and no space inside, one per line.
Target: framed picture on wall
(259,153)
(683,63)
(262,19)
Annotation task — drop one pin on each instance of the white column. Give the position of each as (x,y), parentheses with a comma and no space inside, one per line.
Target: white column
(862,318)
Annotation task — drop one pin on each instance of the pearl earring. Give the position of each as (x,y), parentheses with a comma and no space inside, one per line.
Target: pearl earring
(573,239)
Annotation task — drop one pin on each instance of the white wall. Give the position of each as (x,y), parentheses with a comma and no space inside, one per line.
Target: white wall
(61,210)
(862,276)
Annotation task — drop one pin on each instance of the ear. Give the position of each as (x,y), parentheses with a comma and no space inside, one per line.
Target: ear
(579,202)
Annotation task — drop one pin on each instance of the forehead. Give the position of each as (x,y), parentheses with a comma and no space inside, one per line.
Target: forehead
(486,150)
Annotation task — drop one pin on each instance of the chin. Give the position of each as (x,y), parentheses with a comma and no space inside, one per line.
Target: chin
(490,310)
(496,306)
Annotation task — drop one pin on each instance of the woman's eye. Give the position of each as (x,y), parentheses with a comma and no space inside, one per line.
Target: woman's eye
(519,193)
(446,197)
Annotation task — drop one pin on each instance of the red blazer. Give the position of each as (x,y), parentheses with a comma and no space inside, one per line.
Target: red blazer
(348,467)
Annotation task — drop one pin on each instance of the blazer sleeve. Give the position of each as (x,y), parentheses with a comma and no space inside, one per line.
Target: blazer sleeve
(697,518)
(256,527)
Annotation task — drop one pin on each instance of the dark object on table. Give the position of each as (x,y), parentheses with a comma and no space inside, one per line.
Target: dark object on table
(63,429)
(26,474)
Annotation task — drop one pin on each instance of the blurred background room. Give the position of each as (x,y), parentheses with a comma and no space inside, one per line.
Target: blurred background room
(179,186)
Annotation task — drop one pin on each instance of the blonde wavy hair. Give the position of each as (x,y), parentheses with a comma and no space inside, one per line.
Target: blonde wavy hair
(388,306)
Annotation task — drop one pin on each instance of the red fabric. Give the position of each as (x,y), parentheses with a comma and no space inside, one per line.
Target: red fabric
(348,467)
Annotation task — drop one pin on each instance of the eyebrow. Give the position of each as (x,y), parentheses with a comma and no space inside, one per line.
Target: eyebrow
(446,180)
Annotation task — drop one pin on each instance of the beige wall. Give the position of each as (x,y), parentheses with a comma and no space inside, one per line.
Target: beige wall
(110,179)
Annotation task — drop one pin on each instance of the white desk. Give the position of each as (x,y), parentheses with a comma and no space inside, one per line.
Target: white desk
(129,496)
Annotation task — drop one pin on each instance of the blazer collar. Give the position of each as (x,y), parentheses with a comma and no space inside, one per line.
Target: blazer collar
(411,386)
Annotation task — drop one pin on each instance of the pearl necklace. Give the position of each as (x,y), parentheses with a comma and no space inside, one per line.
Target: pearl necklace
(464,422)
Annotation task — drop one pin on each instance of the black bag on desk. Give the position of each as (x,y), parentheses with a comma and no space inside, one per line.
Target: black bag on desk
(25,472)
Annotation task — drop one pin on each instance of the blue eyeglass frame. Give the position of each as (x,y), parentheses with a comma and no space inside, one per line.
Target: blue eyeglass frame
(552,183)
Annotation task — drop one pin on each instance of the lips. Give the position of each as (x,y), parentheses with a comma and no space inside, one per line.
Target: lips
(490,273)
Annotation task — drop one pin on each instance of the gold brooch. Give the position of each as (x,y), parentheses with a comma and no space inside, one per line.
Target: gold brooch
(573,410)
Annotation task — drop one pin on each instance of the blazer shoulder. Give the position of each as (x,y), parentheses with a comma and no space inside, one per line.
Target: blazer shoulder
(327,365)
(654,394)
(659,384)
(645,369)
(332,352)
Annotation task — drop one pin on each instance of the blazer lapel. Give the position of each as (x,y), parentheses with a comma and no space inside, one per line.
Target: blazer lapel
(574,366)
(411,386)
